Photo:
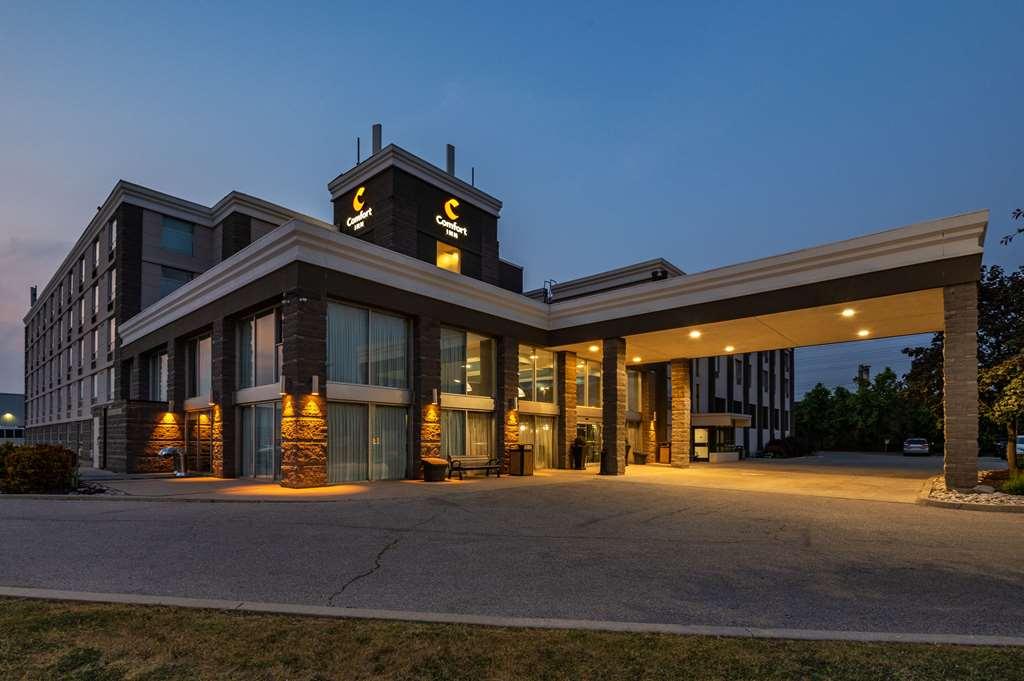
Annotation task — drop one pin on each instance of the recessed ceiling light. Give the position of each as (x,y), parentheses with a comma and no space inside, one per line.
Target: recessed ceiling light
(695,334)
(593,348)
(849,312)
(729,348)
(637,358)
(863,332)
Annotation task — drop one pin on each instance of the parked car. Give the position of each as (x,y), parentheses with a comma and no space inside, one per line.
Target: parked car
(1020,445)
(915,446)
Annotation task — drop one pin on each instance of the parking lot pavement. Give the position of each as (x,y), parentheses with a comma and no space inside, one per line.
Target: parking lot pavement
(583,546)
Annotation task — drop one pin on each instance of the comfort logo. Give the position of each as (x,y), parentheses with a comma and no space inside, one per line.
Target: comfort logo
(357,200)
(358,221)
(449,209)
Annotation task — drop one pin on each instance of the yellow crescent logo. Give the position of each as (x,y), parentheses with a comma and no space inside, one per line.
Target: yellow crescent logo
(357,200)
(449,209)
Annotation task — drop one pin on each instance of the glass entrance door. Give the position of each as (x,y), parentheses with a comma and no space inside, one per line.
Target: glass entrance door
(366,442)
(260,446)
(700,444)
(198,441)
(592,441)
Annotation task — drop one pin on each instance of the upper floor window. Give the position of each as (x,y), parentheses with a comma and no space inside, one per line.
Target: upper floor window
(111,334)
(367,347)
(96,253)
(588,383)
(467,363)
(171,279)
(259,346)
(95,299)
(177,235)
(81,270)
(158,377)
(112,234)
(200,365)
(111,383)
(536,374)
(111,285)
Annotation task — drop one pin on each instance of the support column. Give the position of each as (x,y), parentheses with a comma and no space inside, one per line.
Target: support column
(506,415)
(960,384)
(303,415)
(224,459)
(565,394)
(613,406)
(426,430)
(681,445)
(648,420)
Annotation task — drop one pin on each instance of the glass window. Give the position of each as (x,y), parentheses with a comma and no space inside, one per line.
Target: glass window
(266,349)
(588,383)
(110,383)
(96,253)
(246,352)
(466,433)
(200,365)
(467,363)
(95,298)
(176,235)
(633,391)
(158,377)
(112,285)
(536,374)
(111,334)
(449,257)
(366,347)
(113,233)
(171,279)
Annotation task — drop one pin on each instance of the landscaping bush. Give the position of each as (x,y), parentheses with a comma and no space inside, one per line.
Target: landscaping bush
(786,448)
(5,449)
(39,469)
(1014,486)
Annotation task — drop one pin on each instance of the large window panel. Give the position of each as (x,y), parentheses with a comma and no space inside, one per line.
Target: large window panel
(389,445)
(347,439)
(453,433)
(593,384)
(526,372)
(536,374)
(389,348)
(347,344)
(200,365)
(246,352)
(266,354)
(480,433)
(479,365)
(453,361)
(176,235)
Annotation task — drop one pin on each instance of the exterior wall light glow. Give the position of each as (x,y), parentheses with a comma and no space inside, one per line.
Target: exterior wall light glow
(593,348)
(637,359)
(282,387)
(863,332)
(729,348)
(849,312)
(695,334)
(433,396)
(316,385)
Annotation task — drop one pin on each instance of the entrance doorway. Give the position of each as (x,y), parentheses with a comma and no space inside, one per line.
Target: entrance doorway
(198,441)
(260,446)
(590,432)
(366,442)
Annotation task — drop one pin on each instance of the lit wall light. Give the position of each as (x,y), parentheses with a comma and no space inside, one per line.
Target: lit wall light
(849,312)
(729,348)
(433,397)
(636,360)
(863,333)
(695,334)
(282,387)
(316,385)
(593,348)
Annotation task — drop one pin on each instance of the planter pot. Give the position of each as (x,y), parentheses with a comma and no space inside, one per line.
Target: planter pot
(639,458)
(434,469)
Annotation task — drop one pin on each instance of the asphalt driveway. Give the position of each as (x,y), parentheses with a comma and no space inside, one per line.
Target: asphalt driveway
(645,548)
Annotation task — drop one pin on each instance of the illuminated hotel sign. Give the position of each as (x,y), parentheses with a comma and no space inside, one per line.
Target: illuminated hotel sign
(358,221)
(451,228)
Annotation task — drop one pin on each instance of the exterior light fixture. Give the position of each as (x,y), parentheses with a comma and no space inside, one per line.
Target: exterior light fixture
(316,385)
(593,348)
(282,386)
(863,332)
(637,359)
(433,397)
(695,334)
(729,348)
(848,312)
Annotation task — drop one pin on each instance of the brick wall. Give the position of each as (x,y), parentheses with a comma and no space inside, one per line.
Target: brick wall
(303,415)
(681,445)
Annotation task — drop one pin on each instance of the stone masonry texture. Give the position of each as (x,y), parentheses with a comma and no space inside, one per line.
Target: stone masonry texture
(565,377)
(960,384)
(680,412)
(613,406)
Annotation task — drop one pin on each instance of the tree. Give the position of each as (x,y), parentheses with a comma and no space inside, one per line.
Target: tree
(812,416)
(1017,214)
(1002,401)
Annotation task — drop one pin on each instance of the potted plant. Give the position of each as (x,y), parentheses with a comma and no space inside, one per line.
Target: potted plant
(434,468)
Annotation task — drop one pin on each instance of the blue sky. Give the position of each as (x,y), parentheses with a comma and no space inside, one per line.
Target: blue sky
(706,134)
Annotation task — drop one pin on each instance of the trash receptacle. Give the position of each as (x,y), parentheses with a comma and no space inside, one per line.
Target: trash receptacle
(521,460)
(639,458)
(434,468)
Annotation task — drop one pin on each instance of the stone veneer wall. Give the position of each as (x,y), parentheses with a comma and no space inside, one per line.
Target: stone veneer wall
(960,384)
(136,432)
(223,368)
(303,415)
(681,413)
(506,416)
(613,406)
(648,434)
(565,389)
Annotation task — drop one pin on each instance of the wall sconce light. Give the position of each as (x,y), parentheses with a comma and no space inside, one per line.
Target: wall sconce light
(433,399)
(282,386)
(316,384)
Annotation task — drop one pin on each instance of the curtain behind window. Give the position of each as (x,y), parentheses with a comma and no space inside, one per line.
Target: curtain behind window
(453,361)
(245,353)
(481,433)
(390,443)
(453,433)
(346,344)
(389,350)
(346,442)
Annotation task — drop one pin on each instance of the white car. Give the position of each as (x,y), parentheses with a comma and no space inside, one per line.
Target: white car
(914,446)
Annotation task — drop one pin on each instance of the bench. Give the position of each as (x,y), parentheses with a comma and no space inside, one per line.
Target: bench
(473,463)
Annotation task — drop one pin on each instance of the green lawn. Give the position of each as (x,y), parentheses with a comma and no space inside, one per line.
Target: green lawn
(55,640)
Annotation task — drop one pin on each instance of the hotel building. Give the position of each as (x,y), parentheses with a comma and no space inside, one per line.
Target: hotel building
(265,343)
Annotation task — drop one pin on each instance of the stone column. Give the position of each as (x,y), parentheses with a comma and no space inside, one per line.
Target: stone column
(613,406)
(224,459)
(960,384)
(681,444)
(565,394)
(303,415)
(426,416)
(506,415)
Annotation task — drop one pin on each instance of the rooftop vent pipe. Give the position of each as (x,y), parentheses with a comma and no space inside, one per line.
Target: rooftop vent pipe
(376,138)
(450,163)
(33,294)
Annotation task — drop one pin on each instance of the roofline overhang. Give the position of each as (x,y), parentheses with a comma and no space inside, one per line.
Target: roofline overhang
(916,257)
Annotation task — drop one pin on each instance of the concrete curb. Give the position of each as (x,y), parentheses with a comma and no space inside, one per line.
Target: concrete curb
(518,622)
(176,499)
(924,498)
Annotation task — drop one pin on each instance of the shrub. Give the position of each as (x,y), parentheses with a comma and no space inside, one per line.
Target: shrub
(39,469)
(5,449)
(786,448)
(1013,486)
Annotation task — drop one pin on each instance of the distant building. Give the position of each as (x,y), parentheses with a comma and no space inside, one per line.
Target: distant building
(12,418)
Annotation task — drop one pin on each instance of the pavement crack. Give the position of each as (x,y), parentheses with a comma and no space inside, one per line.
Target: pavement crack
(376,566)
